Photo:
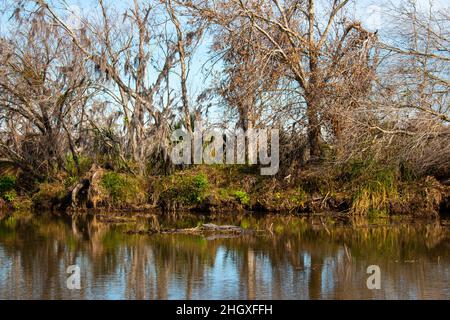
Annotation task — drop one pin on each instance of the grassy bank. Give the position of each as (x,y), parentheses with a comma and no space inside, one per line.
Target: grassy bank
(357,188)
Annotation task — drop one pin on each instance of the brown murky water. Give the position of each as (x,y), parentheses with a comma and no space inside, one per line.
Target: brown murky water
(296,259)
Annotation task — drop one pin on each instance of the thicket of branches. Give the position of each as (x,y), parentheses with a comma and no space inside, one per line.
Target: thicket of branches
(112,86)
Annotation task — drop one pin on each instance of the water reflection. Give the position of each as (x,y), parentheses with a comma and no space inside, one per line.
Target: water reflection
(295,259)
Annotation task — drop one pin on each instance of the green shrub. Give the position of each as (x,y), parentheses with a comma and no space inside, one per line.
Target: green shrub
(200,182)
(7,188)
(114,184)
(84,162)
(123,189)
(243,197)
(194,189)
(10,196)
(7,183)
(186,189)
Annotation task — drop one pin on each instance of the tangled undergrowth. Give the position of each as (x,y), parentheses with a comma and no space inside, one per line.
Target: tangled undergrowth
(360,188)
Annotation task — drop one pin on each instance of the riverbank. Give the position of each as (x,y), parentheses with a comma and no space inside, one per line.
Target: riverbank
(357,188)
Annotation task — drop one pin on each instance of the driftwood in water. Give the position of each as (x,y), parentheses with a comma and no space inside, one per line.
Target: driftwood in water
(205,229)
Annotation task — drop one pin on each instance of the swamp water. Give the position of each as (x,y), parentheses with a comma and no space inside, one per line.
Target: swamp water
(288,258)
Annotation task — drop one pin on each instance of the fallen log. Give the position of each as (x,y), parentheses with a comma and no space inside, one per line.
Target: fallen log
(206,229)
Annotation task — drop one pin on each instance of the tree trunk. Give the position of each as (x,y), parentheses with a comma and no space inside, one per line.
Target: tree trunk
(313,127)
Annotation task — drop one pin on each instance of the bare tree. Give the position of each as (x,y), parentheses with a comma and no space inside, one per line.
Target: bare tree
(135,55)
(42,82)
(311,50)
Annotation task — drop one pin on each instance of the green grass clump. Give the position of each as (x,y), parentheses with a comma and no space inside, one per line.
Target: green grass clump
(373,186)
(376,190)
